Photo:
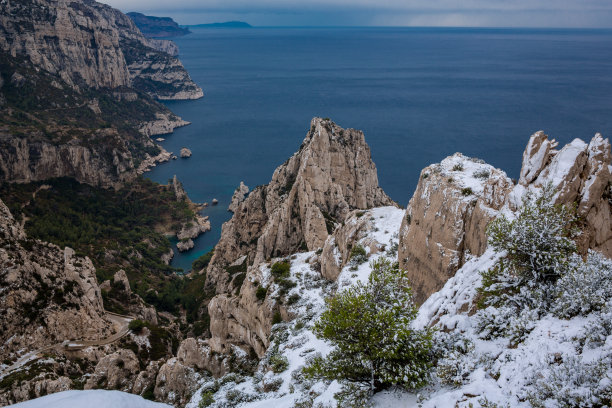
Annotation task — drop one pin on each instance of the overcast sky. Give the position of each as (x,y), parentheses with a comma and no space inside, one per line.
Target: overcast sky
(473,13)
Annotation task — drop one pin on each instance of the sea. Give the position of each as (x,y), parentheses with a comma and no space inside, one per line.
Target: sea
(418,94)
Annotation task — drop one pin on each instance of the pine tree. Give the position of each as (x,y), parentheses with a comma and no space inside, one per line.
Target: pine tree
(370,326)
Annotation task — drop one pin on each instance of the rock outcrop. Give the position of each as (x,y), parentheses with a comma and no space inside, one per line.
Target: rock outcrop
(357,229)
(185,244)
(309,195)
(239,195)
(581,172)
(152,26)
(167,46)
(185,152)
(48,294)
(24,160)
(163,124)
(115,371)
(446,219)
(89,44)
(178,377)
(454,201)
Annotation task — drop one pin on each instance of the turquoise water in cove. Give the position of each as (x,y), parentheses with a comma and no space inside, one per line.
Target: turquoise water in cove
(419,95)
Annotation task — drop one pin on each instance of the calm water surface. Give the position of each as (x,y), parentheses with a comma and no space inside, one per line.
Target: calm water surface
(419,95)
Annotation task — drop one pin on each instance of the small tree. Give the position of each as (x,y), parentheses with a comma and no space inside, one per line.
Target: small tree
(521,287)
(538,245)
(370,326)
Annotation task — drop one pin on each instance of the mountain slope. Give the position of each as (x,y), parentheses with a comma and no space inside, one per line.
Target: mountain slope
(77,88)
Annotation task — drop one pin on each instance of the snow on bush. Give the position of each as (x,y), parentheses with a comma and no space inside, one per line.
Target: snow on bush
(584,286)
(572,383)
(370,327)
(538,247)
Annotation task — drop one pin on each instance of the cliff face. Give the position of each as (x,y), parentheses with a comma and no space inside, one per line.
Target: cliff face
(152,26)
(48,294)
(76,85)
(312,192)
(446,219)
(88,44)
(308,196)
(23,160)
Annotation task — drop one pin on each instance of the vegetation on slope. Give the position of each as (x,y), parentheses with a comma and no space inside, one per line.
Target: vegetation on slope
(117,229)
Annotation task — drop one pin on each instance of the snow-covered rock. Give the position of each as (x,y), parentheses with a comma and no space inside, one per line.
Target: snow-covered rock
(91,398)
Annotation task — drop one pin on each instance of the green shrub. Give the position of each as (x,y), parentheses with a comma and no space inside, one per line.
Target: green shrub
(538,242)
(293,299)
(522,285)
(277,318)
(482,174)
(458,167)
(234,269)
(280,269)
(370,326)
(466,191)
(137,325)
(278,363)
(203,261)
(357,256)
(206,399)
(261,293)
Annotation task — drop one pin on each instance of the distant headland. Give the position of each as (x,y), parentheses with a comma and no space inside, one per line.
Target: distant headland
(227,24)
(154,27)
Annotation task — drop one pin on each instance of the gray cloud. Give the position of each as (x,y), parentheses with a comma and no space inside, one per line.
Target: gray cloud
(508,13)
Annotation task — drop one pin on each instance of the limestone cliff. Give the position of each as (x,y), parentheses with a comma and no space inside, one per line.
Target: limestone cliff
(309,195)
(77,82)
(446,219)
(331,174)
(89,44)
(48,294)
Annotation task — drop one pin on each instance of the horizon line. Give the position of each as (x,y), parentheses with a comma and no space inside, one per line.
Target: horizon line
(395,26)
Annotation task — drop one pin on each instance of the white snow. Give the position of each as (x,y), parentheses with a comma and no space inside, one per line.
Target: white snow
(562,163)
(91,398)
(300,343)
(463,169)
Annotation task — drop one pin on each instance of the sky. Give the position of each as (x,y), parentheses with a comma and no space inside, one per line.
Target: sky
(453,13)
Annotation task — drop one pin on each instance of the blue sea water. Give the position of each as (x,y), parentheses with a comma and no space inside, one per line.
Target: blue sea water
(419,95)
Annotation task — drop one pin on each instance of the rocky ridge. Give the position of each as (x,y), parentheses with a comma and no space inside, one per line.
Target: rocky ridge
(194,228)
(76,93)
(446,219)
(239,196)
(309,195)
(48,294)
(57,36)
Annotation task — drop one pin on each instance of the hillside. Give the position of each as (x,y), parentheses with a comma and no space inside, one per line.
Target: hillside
(512,283)
(154,27)
(78,90)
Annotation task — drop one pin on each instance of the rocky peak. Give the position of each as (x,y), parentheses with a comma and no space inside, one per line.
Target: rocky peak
(331,174)
(309,195)
(239,195)
(446,219)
